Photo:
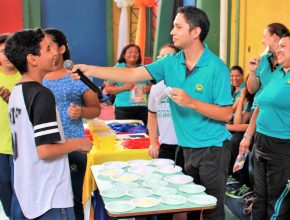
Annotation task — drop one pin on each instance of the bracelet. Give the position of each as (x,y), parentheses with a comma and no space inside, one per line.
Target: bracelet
(248,136)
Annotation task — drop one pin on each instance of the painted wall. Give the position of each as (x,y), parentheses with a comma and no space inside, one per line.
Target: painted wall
(254,17)
(84,24)
(11,16)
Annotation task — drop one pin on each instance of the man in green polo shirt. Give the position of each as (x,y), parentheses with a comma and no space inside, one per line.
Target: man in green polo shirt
(200,101)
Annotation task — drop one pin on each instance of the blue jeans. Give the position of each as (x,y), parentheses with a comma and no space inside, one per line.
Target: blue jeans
(5,183)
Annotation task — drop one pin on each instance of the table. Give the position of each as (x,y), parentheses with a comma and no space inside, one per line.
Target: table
(159,209)
(97,156)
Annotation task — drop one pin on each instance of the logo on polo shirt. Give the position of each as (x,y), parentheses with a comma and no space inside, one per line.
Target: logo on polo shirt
(288,81)
(198,87)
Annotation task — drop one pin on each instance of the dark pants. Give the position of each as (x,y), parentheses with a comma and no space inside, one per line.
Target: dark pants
(5,183)
(168,151)
(271,174)
(134,112)
(209,167)
(78,164)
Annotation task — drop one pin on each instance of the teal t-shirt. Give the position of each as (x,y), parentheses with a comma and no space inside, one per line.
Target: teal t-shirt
(123,98)
(264,73)
(274,106)
(209,82)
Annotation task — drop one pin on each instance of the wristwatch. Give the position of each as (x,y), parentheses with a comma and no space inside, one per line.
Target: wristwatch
(248,136)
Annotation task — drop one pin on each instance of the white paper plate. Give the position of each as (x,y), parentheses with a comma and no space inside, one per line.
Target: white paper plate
(192,188)
(164,191)
(154,183)
(108,172)
(126,186)
(124,178)
(120,206)
(139,192)
(113,193)
(203,199)
(173,200)
(178,179)
(146,202)
(169,169)
(138,163)
(161,161)
(141,169)
(116,164)
(146,176)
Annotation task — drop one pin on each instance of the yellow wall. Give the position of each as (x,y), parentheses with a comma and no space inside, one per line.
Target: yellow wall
(255,15)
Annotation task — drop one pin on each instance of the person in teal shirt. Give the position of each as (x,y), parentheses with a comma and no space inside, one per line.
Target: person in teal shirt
(261,68)
(271,152)
(200,102)
(126,104)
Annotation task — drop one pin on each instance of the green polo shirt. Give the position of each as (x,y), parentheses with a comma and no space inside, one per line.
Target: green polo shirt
(209,82)
(123,98)
(274,106)
(264,73)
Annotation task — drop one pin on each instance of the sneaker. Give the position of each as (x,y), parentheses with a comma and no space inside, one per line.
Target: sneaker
(239,193)
(231,180)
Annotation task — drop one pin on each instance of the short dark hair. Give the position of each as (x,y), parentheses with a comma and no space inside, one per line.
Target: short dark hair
(196,17)
(286,35)
(4,37)
(122,55)
(22,43)
(60,39)
(238,68)
(278,29)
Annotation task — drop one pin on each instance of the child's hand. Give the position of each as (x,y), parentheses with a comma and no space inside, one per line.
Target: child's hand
(4,94)
(74,111)
(85,145)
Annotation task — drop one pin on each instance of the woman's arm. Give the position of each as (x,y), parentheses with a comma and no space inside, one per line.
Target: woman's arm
(112,88)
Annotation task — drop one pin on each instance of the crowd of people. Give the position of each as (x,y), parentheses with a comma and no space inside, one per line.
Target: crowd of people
(199,113)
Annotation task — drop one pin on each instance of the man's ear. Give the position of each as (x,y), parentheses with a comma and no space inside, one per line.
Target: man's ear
(31,59)
(195,32)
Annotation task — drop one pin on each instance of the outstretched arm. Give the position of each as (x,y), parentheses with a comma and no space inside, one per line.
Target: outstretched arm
(118,74)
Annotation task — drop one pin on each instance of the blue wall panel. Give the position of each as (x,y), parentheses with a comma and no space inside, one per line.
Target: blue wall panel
(84,24)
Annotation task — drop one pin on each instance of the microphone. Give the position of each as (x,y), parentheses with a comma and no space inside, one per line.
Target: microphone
(68,64)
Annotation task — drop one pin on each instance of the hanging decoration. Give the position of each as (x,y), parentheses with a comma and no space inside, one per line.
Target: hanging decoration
(123,36)
(141,25)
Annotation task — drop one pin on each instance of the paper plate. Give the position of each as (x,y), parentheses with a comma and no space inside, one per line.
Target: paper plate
(173,200)
(169,169)
(139,192)
(178,179)
(154,183)
(124,178)
(155,176)
(192,188)
(125,186)
(146,202)
(161,161)
(141,169)
(108,172)
(203,199)
(113,193)
(120,206)
(138,163)
(164,191)
(116,164)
